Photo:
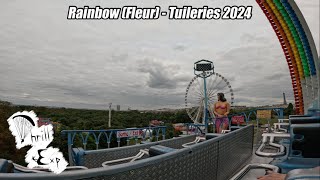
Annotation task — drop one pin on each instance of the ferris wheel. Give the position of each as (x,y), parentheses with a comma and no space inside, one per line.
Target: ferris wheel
(195,96)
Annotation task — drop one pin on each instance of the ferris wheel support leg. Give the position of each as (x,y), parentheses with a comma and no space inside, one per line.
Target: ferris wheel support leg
(206,105)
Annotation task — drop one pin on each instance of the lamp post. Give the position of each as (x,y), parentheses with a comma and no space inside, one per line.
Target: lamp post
(109,123)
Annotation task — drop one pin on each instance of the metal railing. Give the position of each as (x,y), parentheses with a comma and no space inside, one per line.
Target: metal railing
(278,127)
(265,142)
(249,167)
(145,133)
(194,128)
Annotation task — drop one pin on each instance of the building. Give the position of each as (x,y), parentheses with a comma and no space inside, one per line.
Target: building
(118,107)
(47,121)
(44,121)
(156,123)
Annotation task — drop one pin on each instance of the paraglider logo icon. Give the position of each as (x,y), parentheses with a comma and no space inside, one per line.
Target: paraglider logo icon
(24,127)
(21,125)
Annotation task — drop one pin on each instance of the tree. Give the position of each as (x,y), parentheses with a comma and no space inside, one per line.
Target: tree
(289,110)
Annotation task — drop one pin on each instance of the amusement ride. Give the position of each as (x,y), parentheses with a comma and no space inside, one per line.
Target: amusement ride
(290,148)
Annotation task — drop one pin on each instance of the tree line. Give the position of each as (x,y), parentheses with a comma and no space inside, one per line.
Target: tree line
(84,119)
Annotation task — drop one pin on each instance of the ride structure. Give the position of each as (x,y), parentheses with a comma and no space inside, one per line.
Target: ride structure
(219,156)
(299,49)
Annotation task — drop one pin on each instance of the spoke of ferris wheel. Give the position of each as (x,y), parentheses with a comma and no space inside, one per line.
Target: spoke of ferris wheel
(225,93)
(214,86)
(209,82)
(194,110)
(200,87)
(197,93)
(213,82)
(214,92)
(220,88)
(199,111)
(195,103)
(194,90)
(217,85)
(197,116)
(211,101)
(195,96)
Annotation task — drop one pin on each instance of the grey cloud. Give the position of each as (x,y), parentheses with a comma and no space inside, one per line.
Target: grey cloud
(251,38)
(261,81)
(119,58)
(179,47)
(159,75)
(276,76)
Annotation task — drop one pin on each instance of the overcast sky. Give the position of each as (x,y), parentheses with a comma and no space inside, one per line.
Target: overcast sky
(48,60)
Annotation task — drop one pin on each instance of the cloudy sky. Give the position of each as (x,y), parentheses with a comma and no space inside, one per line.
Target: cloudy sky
(48,60)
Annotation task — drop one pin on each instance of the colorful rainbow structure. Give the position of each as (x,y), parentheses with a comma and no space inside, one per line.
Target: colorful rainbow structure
(299,48)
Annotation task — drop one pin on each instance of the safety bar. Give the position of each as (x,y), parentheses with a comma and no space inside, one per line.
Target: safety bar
(225,131)
(197,140)
(248,167)
(282,120)
(271,143)
(26,169)
(141,153)
(278,127)
(43,170)
(68,168)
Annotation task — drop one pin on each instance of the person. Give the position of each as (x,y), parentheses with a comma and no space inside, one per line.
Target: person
(272,176)
(312,172)
(221,110)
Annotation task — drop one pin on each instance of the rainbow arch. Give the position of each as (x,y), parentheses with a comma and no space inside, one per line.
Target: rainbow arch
(299,49)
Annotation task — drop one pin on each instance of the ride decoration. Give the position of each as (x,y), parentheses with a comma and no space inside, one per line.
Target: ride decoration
(299,50)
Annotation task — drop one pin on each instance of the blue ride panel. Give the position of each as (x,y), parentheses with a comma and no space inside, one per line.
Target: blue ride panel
(304,148)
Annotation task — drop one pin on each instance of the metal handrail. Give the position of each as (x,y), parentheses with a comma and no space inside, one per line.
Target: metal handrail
(278,126)
(248,167)
(107,134)
(225,131)
(44,170)
(281,148)
(26,169)
(141,153)
(197,140)
(282,120)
